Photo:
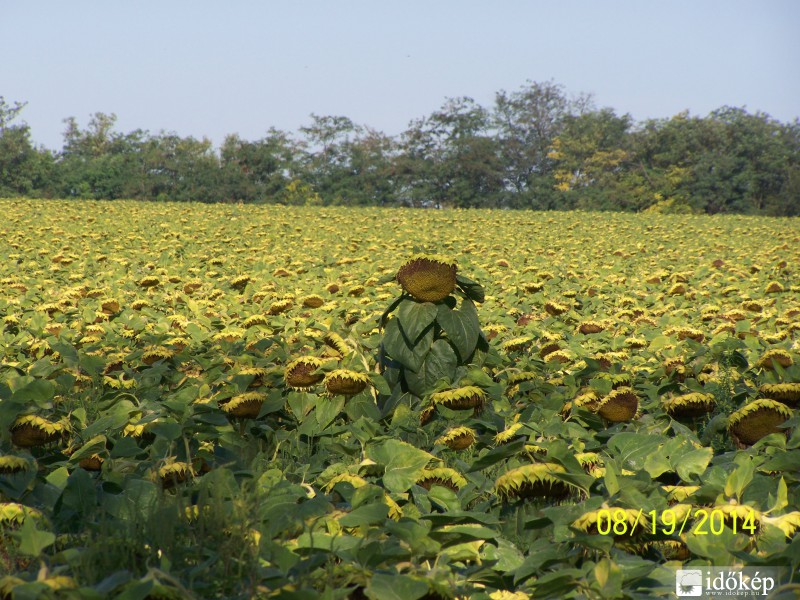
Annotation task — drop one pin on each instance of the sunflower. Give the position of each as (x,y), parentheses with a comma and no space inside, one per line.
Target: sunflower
(444,476)
(689,406)
(148,282)
(312,301)
(29,431)
(279,307)
(12,513)
(679,493)
(776,355)
(345,382)
(245,406)
(428,278)
(508,433)
(13,464)
(620,406)
(517,344)
(458,438)
(756,420)
(533,481)
(240,282)
(175,473)
(554,308)
(336,343)
(590,327)
(299,374)
(462,398)
(153,354)
(91,463)
(254,320)
(788,393)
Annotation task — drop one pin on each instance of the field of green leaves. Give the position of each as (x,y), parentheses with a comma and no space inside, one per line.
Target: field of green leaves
(220,401)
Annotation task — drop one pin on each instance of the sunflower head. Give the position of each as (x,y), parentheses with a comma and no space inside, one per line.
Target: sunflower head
(312,301)
(508,433)
(589,327)
(300,375)
(279,307)
(428,278)
(619,406)
(776,355)
(345,382)
(517,344)
(533,481)
(175,473)
(462,398)
(788,393)
(443,476)
(245,406)
(756,420)
(30,431)
(240,282)
(458,438)
(10,464)
(689,406)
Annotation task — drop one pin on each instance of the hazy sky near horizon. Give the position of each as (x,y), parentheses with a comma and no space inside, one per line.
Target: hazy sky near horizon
(208,69)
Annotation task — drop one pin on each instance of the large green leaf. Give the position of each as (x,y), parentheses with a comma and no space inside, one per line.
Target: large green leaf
(461,326)
(395,587)
(415,317)
(397,345)
(403,463)
(440,363)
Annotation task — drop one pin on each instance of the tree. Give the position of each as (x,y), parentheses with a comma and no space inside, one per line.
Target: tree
(451,159)
(24,169)
(526,123)
(590,157)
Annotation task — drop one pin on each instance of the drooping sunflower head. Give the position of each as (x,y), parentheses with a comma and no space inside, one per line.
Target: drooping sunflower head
(279,307)
(756,420)
(254,320)
(590,327)
(300,373)
(620,406)
(689,406)
(462,398)
(679,493)
(175,473)
(312,301)
(776,355)
(29,431)
(345,382)
(428,278)
(533,481)
(517,344)
(788,393)
(508,433)
(555,308)
(788,523)
(240,282)
(153,354)
(10,464)
(444,476)
(458,438)
(336,343)
(245,406)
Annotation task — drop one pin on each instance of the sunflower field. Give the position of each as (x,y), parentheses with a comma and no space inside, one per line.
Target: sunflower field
(224,401)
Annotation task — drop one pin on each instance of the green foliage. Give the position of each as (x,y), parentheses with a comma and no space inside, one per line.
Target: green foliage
(129,329)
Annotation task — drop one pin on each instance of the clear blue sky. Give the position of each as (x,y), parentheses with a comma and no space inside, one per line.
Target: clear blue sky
(207,69)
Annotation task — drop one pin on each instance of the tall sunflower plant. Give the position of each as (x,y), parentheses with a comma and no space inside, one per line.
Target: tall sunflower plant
(432,337)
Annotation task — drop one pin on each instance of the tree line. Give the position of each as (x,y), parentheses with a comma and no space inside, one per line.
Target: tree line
(536,148)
